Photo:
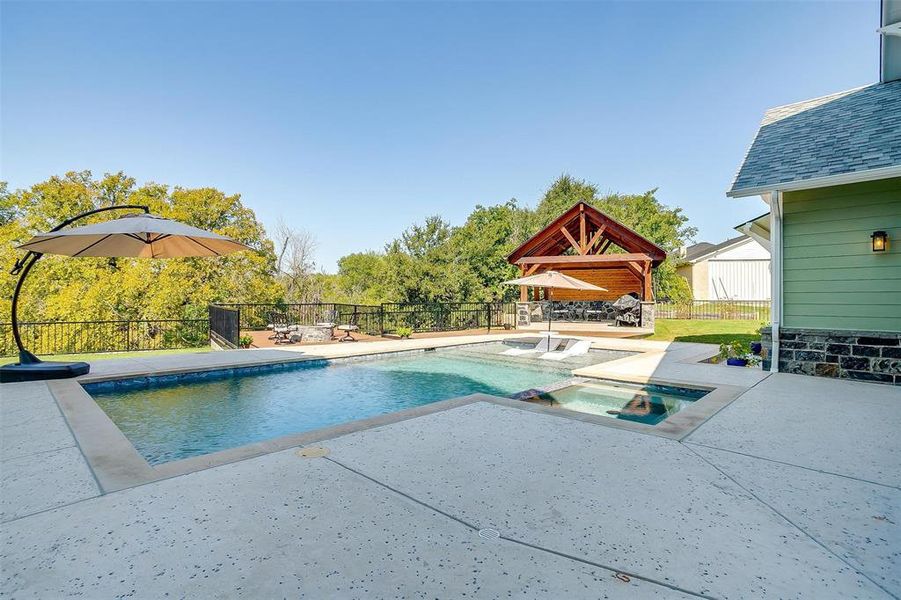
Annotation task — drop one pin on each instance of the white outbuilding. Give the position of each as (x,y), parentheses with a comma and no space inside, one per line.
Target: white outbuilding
(737,269)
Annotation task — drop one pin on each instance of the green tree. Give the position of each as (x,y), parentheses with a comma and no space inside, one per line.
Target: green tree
(361,277)
(483,243)
(421,266)
(64,288)
(7,206)
(560,197)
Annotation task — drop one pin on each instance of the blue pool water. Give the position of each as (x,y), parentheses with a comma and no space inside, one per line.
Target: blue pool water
(181,417)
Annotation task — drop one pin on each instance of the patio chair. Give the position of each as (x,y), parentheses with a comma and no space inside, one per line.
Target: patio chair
(595,311)
(281,328)
(350,327)
(564,313)
(572,348)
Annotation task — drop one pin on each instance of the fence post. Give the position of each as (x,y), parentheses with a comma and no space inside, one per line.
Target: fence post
(488,306)
(382,318)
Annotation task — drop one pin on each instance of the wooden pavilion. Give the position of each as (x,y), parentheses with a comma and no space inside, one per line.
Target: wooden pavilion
(586,244)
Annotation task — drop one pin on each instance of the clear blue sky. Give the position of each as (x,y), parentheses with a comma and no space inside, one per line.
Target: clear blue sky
(353,120)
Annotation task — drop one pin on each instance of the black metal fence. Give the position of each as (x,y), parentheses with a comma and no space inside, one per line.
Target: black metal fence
(368,318)
(84,337)
(226,321)
(710,310)
(225,326)
(459,316)
(257,316)
(383,318)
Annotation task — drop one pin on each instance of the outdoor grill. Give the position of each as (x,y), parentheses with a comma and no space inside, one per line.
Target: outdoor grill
(628,310)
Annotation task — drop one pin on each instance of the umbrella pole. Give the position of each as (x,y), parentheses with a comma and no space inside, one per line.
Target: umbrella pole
(22,269)
(550,317)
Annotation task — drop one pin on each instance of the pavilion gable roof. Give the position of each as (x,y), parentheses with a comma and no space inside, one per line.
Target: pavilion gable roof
(589,232)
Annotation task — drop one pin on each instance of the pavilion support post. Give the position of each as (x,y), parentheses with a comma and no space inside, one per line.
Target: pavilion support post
(523,289)
(648,288)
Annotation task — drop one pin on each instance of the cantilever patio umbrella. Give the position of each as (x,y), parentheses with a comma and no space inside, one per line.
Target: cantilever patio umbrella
(555,280)
(139,235)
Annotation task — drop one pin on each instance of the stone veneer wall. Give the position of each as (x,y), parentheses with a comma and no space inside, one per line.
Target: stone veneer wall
(648,314)
(861,355)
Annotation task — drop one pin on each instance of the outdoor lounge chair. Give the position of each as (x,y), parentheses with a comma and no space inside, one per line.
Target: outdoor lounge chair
(573,348)
(543,345)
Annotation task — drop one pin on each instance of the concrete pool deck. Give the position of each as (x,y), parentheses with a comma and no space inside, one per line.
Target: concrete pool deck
(791,490)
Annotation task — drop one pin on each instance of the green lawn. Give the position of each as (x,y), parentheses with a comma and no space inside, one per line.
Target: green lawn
(107,355)
(705,332)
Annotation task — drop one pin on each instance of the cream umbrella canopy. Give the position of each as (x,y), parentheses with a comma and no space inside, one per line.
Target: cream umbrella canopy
(555,280)
(139,235)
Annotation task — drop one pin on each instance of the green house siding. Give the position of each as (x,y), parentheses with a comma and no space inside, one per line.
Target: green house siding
(832,278)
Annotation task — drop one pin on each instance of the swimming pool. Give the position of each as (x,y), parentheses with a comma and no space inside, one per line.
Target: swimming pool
(172,418)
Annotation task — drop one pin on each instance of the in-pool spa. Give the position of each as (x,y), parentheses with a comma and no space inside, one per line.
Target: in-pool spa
(649,404)
(175,417)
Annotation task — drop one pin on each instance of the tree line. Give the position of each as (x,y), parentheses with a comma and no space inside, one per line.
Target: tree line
(437,262)
(432,261)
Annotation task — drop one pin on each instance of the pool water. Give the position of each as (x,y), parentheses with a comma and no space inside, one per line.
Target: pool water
(175,418)
(649,404)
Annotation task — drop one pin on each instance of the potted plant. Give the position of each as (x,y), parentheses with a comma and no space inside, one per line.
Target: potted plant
(735,355)
(757,346)
(245,341)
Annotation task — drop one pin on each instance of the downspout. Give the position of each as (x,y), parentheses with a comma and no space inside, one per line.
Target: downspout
(775,202)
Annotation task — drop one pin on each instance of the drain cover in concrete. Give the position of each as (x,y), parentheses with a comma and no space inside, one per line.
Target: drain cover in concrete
(312,452)
(489,534)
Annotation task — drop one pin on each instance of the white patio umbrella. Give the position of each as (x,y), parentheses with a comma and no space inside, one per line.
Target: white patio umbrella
(138,235)
(555,280)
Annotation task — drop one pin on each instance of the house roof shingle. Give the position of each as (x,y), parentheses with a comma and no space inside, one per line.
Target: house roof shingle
(702,249)
(849,132)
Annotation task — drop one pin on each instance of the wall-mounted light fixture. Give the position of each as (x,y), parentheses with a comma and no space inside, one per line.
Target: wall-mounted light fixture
(880,240)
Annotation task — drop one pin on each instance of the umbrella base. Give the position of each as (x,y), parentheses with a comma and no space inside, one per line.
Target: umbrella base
(39,371)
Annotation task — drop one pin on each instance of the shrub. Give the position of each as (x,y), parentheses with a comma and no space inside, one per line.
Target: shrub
(733,349)
(404,332)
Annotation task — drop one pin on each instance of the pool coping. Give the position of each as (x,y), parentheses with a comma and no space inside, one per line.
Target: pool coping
(117,465)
